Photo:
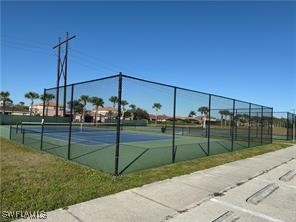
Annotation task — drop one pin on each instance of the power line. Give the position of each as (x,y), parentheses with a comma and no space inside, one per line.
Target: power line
(27,41)
(41,47)
(26,48)
(112,66)
(93,64)
(90,67)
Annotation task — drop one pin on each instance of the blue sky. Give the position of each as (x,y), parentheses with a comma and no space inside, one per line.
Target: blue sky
(243,50)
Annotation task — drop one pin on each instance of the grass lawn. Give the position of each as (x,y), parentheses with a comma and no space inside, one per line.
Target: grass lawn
(32,180)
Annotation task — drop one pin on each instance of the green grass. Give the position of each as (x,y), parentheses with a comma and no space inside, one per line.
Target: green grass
(276,141)
(32,180)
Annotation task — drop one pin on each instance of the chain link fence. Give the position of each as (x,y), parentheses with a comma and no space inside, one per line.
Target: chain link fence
(284,125)
(120,124)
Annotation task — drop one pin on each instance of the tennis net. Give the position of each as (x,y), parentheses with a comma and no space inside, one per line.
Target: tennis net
(65,127)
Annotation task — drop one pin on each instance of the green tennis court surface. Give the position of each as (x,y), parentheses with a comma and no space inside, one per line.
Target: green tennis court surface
(140,147)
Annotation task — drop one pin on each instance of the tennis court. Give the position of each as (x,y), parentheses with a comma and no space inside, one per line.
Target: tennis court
(140,147)
(120,124)
(91,134)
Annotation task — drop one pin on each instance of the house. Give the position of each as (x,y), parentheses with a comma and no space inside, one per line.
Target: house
(160,118)
(14,110)
(104,113)
(50,109)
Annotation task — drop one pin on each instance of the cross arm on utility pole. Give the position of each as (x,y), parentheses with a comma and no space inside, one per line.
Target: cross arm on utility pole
(68,39)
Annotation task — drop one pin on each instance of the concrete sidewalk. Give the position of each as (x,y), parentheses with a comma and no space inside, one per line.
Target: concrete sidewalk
(261,188)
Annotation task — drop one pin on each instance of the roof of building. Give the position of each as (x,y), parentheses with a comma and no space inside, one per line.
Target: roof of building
(50,104)
(107,109)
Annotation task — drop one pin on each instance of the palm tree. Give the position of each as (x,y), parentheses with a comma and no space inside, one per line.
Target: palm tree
(204,112)
(223,114)
(97,102)
(114,100)
(191,114)
(31,96)
(123,104)
(46,99)
(21,104)
(157,107)
(4,97)
(77,108)
(226,114)
(84,99)
(133,110)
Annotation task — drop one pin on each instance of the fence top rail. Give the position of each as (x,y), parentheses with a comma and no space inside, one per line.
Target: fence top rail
(283,112)
(161,84)
(181,88)
(88,81)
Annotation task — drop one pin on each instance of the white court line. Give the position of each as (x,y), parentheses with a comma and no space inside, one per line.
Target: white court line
(59,136)
(257,214)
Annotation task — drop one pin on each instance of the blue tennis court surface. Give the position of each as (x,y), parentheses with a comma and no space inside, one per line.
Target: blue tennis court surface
(106,137)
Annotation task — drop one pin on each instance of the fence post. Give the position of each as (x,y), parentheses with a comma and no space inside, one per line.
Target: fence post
(10,132)
(271,126)
(23,137)
(288,125)
(174,126)
(249,130)
(42,123)
(257,122)
(118,123)
(209,123)
(235,129)
(70,124)
(232,125)
(261,125)
(294,123)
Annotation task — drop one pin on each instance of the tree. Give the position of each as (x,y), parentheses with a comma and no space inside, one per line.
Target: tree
(132,110)
(114,100)
(204,112)
(241,118)
(84,99)
(127,114)
(223,114)
(4,97)
(46,99)
(123,104)
(132,106)
(141,114)
(191,114)
(97,102)
(31,96)
(21,104)
(77,107)
(226,114)
(109,115)
(157,107)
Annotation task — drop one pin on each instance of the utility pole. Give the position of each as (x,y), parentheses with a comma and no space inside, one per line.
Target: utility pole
(62,70)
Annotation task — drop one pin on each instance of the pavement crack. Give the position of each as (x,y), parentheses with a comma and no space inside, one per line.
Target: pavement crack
(77,218)
(155,201)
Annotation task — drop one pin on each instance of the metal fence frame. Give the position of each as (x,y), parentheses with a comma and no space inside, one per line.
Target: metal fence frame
(263,121)
(289,124)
